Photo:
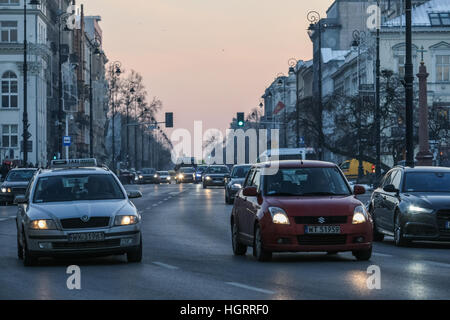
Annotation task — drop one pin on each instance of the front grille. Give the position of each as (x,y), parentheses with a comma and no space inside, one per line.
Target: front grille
(18,190)
(87,245)
(77,223)
(442,217)
(326,220)
(322,239)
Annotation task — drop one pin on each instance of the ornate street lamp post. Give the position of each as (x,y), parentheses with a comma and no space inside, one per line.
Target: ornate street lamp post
(115,73)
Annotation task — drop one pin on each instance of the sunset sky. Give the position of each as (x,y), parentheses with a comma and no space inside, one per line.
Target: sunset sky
(206,59)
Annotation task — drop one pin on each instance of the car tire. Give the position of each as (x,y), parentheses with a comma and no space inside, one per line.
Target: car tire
(238,248)
(135,255)
(363,255)
(19,248)
(205,186)
(259,252)
(399,239)
(377,236)
(29,259)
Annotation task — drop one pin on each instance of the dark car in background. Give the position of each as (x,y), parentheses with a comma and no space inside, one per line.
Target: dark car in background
(215,176)
(148,175)
(185,175)
(303,206)
(199,173)
(164,176)
(126,176)
(15,184)
(412,204)
(234,184)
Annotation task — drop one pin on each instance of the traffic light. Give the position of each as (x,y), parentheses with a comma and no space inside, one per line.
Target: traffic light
(169,119)
(240,119)
(373,168)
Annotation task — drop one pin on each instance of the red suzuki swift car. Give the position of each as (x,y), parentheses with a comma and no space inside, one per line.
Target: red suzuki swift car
(305,206)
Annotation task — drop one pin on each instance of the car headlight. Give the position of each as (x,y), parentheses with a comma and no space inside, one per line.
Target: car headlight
(42,225)
(155,176)
(125,220)
(141,177)
(416,209)
(208,178)
(4,190)
(236,186)
(168,178)
(279,216)
(359,215)
(180,176)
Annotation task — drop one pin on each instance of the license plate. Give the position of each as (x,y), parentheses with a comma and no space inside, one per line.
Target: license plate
(323,229)
(86,236)
(447,225)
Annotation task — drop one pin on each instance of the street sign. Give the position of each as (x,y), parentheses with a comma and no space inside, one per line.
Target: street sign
(67,141)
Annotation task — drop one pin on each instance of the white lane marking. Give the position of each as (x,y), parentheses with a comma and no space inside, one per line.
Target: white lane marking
(4,219)
(166,199)
(438,264)
(381,254)
(164,265)
(155,205)
(243,286)
(174,193)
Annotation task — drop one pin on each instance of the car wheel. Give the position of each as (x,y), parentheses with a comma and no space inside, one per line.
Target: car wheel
(238,248)
(204,186)
(29,260)
(363,255)
(399,239)
(135,255)
(258,247)
(377,236)
(19,248)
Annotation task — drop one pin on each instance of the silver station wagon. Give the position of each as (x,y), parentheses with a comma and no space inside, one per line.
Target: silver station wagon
(77,208)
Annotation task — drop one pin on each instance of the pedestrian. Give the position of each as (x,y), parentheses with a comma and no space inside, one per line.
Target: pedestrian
(4,170)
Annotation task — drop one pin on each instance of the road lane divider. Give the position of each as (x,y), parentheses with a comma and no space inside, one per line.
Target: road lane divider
(164,265)
(244,286)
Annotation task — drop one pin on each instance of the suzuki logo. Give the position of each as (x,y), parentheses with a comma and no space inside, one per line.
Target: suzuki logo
(321,220)
(85,218)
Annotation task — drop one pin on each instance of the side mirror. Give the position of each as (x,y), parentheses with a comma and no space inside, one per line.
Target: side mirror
(390,188)
(357,189)
(134,194)
(20,200)
(250,192)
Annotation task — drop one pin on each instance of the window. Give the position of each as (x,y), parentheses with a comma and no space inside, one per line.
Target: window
(10,136)
(256,180)
(7,2)
(9,90)
(443,68)
(440,19)
(8,31)
(396,181)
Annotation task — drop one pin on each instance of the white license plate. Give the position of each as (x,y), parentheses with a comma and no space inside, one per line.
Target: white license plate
(86,236)
(322,229)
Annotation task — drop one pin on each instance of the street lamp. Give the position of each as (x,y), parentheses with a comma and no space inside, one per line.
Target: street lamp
(129,100)
(292,65)
(317,25)
(409,90)
(25,135)
(115,73)
(96,46)
(358,39)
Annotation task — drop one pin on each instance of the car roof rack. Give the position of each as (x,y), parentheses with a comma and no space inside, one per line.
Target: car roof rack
(73,163)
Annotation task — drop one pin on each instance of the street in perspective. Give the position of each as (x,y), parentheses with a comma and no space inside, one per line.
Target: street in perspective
(235,150)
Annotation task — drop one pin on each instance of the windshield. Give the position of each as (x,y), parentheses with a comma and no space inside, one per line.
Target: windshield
(217,170)
(163,173)
(240,172)
(77,188)
(20,175)
(306,182)
(201,168)
(187,170)
(148,171)
(427,182)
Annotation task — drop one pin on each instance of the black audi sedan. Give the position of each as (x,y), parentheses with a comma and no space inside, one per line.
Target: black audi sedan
(15,184)
(412,204)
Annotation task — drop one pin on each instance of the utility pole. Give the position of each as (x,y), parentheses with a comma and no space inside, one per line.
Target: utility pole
(409,92)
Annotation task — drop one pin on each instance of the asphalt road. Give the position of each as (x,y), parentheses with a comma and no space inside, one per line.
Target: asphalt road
(187,255)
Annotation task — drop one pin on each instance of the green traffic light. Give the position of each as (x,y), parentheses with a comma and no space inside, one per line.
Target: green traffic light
(240,123)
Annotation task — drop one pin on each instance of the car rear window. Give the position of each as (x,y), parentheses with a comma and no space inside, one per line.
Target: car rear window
(77,188)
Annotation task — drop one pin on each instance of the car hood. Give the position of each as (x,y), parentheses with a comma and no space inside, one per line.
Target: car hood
(64,210)
(434,200)
(237,180)
(316,206)
(10,184)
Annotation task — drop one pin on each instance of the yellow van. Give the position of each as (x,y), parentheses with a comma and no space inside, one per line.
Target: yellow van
(350,168)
